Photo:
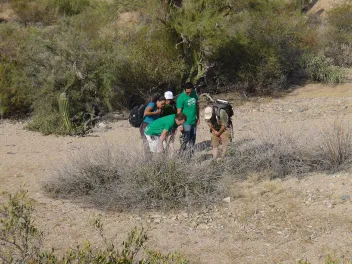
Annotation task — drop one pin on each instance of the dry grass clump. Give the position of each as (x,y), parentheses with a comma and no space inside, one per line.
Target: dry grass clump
(279,154)
(125,180)
(114,178)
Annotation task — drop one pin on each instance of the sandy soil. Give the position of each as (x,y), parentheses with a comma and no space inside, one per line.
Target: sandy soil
(276,221)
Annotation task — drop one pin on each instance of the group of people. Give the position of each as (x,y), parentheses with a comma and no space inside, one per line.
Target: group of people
(163,117)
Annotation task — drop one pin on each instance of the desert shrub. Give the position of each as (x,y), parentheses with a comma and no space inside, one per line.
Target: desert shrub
(21,241)
(338,36)
(279,153)
(320,68)
(336,146)
(32,11)
(19,237)
(263,52)
(341,53)
(150,62)
(70,7)
(64,59)
(16,98)
(330,259)
(126,181)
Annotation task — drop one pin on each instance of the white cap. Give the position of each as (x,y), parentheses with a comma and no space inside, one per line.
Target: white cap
(169,95)
(208,112)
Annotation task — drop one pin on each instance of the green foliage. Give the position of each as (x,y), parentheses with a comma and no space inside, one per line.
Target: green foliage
(21,241)
(264,51)
(32,11)
(104,61)
(200,26)
(338,37)
(70,7)
(150,62)
(320,68)
(340,17)
(19,237)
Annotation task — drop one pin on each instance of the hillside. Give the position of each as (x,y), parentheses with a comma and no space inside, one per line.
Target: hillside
(267,221)
(285,186)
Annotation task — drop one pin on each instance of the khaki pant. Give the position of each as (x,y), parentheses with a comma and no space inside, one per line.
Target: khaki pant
(224,139)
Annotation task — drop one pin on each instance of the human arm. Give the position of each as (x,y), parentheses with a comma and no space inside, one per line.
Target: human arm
(162,137)
(223,120)
(213,131)
(179,104)
(149,110)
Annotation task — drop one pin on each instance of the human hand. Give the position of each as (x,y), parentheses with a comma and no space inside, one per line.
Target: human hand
(198,121)
(217,133)
(158,111)
(180,128)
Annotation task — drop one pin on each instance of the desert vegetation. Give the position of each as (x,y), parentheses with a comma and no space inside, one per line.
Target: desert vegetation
(21,241)
(123,180)
(98,56)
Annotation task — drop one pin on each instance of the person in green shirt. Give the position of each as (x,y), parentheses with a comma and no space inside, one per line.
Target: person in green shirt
(169,108)
(157,131)
(187,103)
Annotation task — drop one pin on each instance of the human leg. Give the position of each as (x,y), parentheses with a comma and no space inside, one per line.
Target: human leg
(215,142)
(193,135)
(153,143)
(225,139)
(186,137)
(144,140)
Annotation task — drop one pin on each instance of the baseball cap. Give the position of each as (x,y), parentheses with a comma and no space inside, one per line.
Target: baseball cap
(169,95)
(208,112)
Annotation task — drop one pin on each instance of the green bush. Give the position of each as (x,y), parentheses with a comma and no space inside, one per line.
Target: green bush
(70,7)
(21,241)
(85,49)
(32,11)
(263,54)
(338,36)
(320,68)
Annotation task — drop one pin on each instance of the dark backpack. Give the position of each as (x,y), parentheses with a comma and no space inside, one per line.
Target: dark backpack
(137,115)
(223,104)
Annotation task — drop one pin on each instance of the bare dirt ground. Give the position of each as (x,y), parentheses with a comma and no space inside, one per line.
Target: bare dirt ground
(277,221)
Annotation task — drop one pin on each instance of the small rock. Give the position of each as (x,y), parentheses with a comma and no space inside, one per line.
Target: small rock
(227,199)
(174,218)
(329,204)
(346,197)
(202,226)
(290,110)
(101,125)
(156,216)
(157,220)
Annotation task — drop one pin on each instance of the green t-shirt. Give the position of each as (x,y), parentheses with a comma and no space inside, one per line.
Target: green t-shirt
(188,104)
(158,126)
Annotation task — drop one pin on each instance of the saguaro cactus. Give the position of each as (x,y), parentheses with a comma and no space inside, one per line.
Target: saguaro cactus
(64,111)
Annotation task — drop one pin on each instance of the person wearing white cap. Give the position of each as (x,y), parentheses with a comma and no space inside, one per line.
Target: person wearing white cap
(169,108)
(218,129)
